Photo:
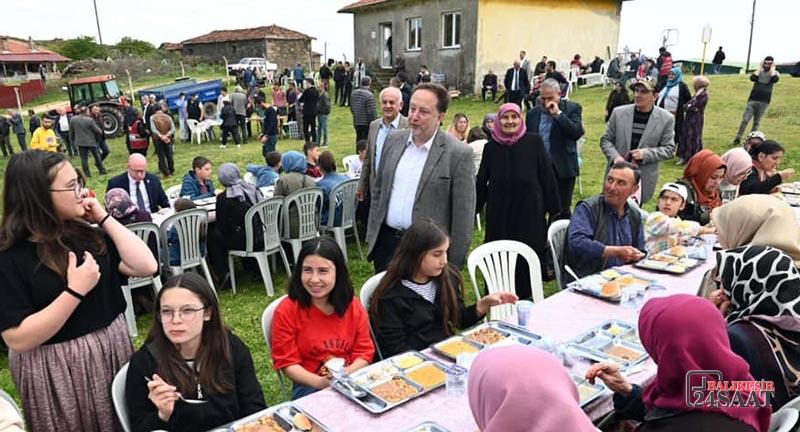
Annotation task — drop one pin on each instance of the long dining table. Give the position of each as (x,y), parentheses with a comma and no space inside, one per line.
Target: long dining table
(560,318)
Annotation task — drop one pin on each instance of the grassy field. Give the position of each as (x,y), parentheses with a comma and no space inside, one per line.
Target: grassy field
(243,310)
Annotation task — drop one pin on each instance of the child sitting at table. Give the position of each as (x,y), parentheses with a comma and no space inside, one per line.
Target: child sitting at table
(663,228)
(320,319)
(419,300)
(267,175)
(190,354)
(173,243)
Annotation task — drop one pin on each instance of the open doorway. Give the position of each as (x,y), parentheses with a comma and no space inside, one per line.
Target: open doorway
(386,45)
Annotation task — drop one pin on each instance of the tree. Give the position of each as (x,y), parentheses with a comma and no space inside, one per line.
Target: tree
(80,48)
(129,46)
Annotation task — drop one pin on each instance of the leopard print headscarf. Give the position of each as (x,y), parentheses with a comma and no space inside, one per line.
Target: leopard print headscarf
(764,287)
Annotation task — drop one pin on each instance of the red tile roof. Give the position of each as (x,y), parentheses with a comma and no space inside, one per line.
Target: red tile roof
(256,33)
(14,50)
(170,46)
(360,4)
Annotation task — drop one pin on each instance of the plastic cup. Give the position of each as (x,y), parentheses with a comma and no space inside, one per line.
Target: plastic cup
(524,312)
(709,241)
(456,383)
(628,297)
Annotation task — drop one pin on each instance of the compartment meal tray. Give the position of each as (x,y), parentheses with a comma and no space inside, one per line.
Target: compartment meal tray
(283,414)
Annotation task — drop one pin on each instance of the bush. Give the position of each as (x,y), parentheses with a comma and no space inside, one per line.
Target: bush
(129,46)
(83,47)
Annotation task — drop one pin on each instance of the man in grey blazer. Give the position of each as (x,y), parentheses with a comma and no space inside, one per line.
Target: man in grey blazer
(641,133)
(423,173)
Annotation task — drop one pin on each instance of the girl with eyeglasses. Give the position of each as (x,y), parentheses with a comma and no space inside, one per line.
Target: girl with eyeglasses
(192,373)
(62,308)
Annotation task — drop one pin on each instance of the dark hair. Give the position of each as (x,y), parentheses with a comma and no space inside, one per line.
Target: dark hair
(769,58)
(361,145)
(475,134)
(637,174)
(402,77)
(272,158)
(327,162)
(423,236)
(182,204)
(28,212)
(442,97)
(767,147)
(225,89)
(342,294)
(310,81)
(662,49)
(200,162)
(213,358)
(308,146)
(552,64)
(181,94)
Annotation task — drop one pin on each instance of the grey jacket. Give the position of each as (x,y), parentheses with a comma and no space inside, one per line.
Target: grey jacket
(17,125)
(446,191)
(239,102)
(83,131)
(658,141)
(362,104)
(367,179)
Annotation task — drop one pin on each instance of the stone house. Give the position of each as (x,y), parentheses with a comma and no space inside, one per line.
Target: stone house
(277,44)
(463,39)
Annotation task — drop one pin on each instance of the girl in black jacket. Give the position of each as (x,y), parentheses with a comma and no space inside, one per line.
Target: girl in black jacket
(190,354)
(419,300)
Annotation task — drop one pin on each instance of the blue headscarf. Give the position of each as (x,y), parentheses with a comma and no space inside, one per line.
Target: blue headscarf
(673,82)
(294,161)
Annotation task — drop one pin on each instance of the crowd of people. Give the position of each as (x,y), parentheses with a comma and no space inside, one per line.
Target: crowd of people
(63,254)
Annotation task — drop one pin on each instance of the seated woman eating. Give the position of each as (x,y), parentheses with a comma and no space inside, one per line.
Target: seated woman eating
(419,300)
(320,320)
(668,328)
(764,177)
(703,173)
(189,354)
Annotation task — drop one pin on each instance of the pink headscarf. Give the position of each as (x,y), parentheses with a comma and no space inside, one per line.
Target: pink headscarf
(497,131)
(737,161)
(508,388)
(683,333)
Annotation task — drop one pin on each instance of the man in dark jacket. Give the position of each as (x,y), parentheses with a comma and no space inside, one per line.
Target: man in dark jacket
(5,132)
(405,90)
(489,85)
(35,122)
(269,129)
(719,57)
(517,83)
(310,99)
(339,75)
(325,74)
(144,188)
(83,131)
(362,105)
(193,108)
(559,122)
(102,144)
(760,96)
(18,128)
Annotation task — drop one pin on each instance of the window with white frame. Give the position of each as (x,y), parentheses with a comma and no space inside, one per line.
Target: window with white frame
(451,29)
(414,34)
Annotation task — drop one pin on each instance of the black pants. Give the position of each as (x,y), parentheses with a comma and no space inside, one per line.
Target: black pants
(166,163)
(514,96)
(102,145)
(71,149)
(233,130)
(348,88)
(242,121)
(385,245)
(566,187)
(310,127)
(22,143)
(484,90)
(339,93)
(362,131)
(98,160)
(5,145)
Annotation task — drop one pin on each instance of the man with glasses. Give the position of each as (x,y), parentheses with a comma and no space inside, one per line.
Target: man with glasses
(144,188)
(83,132)
(642,134)
(760,96)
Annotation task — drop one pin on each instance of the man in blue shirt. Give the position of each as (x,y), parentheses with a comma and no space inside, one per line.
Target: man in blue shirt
(268,174)
(604,230)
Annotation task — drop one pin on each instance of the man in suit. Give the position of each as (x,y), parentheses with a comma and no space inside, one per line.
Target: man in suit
(640,133)
(144,188)
(406,90)
(489,85)
(391,105)
(516,83)
(560,124)
(423,173)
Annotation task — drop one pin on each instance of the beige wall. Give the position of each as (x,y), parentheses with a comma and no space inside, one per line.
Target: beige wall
(558,29)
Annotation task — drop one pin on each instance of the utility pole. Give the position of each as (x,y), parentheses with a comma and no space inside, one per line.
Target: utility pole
(750,44)
(97,19)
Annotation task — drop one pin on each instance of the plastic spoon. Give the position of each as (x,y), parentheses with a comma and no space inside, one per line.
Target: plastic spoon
(190,401)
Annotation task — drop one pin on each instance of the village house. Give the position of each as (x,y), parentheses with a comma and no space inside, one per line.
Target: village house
(20,58)
(463,39)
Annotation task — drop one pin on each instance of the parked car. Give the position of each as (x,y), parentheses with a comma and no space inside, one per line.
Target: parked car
(252,62)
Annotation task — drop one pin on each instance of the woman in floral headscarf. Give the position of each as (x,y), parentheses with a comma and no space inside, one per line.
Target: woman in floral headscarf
(673,98)
(517,185)
(120,206)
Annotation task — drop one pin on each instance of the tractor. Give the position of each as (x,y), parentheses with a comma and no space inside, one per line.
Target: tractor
(101,90)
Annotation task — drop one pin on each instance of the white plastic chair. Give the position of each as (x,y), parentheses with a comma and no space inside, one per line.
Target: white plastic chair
(784,420)
(192,227)
(250,179)
(604,73)
(197,130)
(308,202)
(118,397)
(348,163)
(144,230)
(557,237)
(266,329)
(173,192)
(268,212)
(343,196)
(498,263)
(5,396)
(579,148)
(366,296)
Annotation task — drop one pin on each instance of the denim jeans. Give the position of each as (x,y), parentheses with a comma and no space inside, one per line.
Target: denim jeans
(299,390)
(322,130)
(270,145)
(754,110)
(103,146)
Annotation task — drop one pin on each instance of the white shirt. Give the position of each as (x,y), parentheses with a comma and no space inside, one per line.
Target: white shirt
(383,132)
(671,99)
(63,123)
(132,192)
(400,213)
(515,80)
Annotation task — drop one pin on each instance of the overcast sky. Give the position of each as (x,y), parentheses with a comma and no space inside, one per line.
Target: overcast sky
(171,21)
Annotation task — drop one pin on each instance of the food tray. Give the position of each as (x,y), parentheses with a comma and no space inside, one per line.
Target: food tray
(610,339)
(428,427)
(680,266)
(511,335)
(592,285)
(372,401)
(454,346)
(587,392)
(283,415)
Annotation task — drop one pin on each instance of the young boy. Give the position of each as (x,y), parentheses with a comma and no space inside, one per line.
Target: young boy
(663,228)
(311,150)
(354,168)
(267,175)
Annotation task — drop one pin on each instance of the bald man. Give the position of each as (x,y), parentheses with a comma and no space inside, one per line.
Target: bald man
(391,105)
(517,83)
(144,188)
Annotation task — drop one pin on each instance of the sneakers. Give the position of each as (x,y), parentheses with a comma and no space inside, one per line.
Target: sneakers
(222,146)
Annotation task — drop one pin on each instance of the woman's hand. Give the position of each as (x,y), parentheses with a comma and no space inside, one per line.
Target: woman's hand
(786,174)
(84,277)
(496,299)
(707,229)
(94,211)
(163,397)
(611,376)
(322,382)
(720,300)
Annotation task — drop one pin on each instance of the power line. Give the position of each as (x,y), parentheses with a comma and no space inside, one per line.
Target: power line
(97,19)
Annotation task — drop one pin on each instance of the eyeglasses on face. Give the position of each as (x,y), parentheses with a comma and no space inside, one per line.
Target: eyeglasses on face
(78,189)
(187,314)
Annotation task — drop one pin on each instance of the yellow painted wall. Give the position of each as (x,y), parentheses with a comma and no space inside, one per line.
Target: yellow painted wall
(558,29)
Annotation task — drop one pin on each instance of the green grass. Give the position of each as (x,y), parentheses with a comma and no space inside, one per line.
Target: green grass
(243,310)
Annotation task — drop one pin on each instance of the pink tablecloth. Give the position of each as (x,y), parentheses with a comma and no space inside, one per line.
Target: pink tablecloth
(560,318)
